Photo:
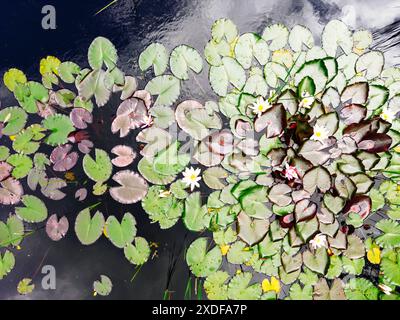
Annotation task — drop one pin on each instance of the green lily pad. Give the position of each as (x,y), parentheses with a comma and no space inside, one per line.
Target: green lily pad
(201,262)
(98,169)
(88,229)
(34,211)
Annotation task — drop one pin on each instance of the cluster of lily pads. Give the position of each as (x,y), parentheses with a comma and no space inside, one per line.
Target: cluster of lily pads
(43,140)
(293,169)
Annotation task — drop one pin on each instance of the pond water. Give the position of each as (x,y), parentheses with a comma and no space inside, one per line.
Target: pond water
(131,25)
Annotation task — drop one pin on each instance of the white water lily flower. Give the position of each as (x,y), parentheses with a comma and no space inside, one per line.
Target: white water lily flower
(307,100)
(319,241)
(388,115)
(260,106)
(290,172)
(320,133)
(191,177)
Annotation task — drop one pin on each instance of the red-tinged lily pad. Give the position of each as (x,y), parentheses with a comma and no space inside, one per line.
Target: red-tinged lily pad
(242,128)
(80,118)
(125,156)
(375,142)
(11,191)
(121,124)
(357,131)
(85,146)
(81,194)
(220,142)
(145,96)
(305,210)
(273,121)
(359,204)
(205,156)
(135,109)
(52,189)
(57,229)
(287,221)
(62,159)
(132,187)
(5,170)
(353,113)
(355,93)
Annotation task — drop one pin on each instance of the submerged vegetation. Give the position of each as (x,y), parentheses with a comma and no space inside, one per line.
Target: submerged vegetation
(293,169)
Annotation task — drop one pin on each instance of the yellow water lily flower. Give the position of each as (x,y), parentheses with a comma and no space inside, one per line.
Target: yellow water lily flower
(374,255)
(105,232)
(224,249)
(12,138)
(273,285)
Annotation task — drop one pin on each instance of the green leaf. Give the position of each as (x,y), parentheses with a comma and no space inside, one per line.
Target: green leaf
(378,201)
(201,262)
(391,233)
(67,71)
(360,289)
(154,55)
(102,51)
(163,116)
(88,229)
(13,77)
(296,292)
(306,85)
(239,253)
(184,58)
(249,45)
(145,167)
(335,267)
(22,165)
(178,189)
(96,83)
(317,262)
(34,211)
(239,288)
(139,252)
(60,127)
(195,216)
(14,119)
(167,88)
(29,94)
(170,161)
(215,286)
(7,262)
(229,72)
(165,210)
(25,286)
(308,277)
(353,266)
(11,232)
(23,143)
(224,29)
(212,177)
(98,169)
(103,287)
(121,234)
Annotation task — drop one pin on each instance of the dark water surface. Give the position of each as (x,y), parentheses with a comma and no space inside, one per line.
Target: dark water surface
(131,25)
